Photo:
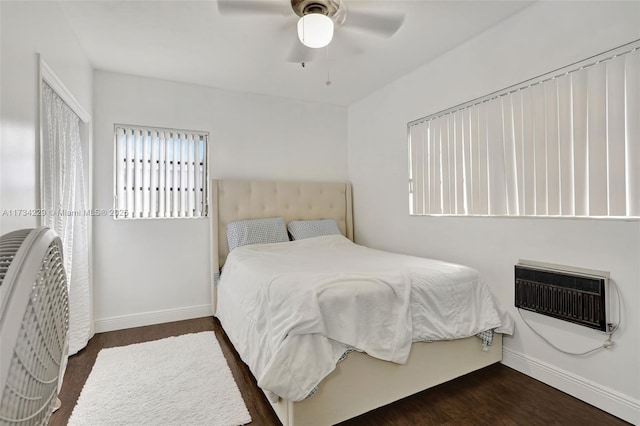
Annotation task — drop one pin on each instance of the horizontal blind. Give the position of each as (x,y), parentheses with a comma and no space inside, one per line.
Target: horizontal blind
(566,144)
(160,173)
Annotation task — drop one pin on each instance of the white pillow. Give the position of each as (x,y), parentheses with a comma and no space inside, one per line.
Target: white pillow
(256,231)
(301,229)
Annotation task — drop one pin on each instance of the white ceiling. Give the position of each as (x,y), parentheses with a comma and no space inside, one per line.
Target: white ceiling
(191,42)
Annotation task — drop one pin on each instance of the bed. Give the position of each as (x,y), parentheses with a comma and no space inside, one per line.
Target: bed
(360,382)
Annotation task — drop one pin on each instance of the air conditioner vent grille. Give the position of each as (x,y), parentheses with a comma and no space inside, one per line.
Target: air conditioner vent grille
(576,298)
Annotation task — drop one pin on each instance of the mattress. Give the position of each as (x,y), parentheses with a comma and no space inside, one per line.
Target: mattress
(293,309)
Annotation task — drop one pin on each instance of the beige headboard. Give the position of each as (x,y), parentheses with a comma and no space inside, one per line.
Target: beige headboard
(253,199)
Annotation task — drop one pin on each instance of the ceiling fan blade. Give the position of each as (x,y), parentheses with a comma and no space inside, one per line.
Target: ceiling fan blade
(253,7)
(345,43)
(299,53)
(383,24)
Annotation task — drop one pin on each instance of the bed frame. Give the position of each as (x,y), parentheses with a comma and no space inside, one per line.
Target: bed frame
(360,383)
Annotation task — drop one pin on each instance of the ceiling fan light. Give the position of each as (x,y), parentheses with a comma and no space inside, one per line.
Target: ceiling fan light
(315,30)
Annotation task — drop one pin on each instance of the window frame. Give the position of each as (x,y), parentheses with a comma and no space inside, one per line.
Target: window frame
(119,213)
(418,161)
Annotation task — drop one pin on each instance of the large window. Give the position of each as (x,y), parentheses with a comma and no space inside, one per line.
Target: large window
(160,173)
(563,144)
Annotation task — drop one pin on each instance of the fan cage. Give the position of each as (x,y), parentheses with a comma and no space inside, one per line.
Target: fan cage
(9,245)
(31,386)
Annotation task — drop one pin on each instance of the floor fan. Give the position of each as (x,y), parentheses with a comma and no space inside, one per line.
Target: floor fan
(34,320)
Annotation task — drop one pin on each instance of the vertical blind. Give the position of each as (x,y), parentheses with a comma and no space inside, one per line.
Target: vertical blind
(564,144)
(160,173)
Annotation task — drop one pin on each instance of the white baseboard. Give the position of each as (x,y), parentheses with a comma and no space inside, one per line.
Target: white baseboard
(150,318)
(609,400)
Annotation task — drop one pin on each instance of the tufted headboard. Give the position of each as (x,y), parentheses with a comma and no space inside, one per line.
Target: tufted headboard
(233,200)
(253,199)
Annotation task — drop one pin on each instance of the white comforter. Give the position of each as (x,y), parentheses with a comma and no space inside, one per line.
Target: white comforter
(292,309)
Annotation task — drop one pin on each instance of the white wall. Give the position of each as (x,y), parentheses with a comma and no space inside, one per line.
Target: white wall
(29,28)
(149,271)
(543,37)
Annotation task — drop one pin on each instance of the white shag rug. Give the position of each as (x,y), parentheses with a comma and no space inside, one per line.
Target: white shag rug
(181,380)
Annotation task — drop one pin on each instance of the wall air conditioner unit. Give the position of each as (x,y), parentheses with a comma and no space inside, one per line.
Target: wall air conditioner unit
(571,294)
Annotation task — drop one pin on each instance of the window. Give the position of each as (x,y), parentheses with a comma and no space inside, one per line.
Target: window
(564,144)
(160,173)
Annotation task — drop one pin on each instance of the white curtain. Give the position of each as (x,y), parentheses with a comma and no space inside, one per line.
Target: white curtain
(66,207)
(565,145)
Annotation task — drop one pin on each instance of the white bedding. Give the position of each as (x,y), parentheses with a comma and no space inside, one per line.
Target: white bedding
(292,309)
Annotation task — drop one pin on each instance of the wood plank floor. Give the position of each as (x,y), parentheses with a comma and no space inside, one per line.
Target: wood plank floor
(496,395)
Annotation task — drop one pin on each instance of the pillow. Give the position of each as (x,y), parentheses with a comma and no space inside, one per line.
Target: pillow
(301,229)
(256,231)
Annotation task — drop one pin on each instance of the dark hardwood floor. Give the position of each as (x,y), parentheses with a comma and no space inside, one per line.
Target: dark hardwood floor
(496,395)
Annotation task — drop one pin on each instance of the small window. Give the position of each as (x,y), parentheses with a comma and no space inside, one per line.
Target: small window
(160,173)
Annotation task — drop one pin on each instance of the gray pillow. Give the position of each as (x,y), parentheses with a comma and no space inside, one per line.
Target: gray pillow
(301,229)
(256,231)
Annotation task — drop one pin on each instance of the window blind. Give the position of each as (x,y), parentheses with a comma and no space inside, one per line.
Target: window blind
(160,173)
(564,144)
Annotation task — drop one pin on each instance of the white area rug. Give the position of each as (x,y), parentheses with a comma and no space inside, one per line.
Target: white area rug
(182,380)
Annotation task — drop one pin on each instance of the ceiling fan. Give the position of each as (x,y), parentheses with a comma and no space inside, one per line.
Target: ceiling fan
(319,21)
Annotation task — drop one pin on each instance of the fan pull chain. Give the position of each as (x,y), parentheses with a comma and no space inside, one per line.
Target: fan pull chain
(328,82)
